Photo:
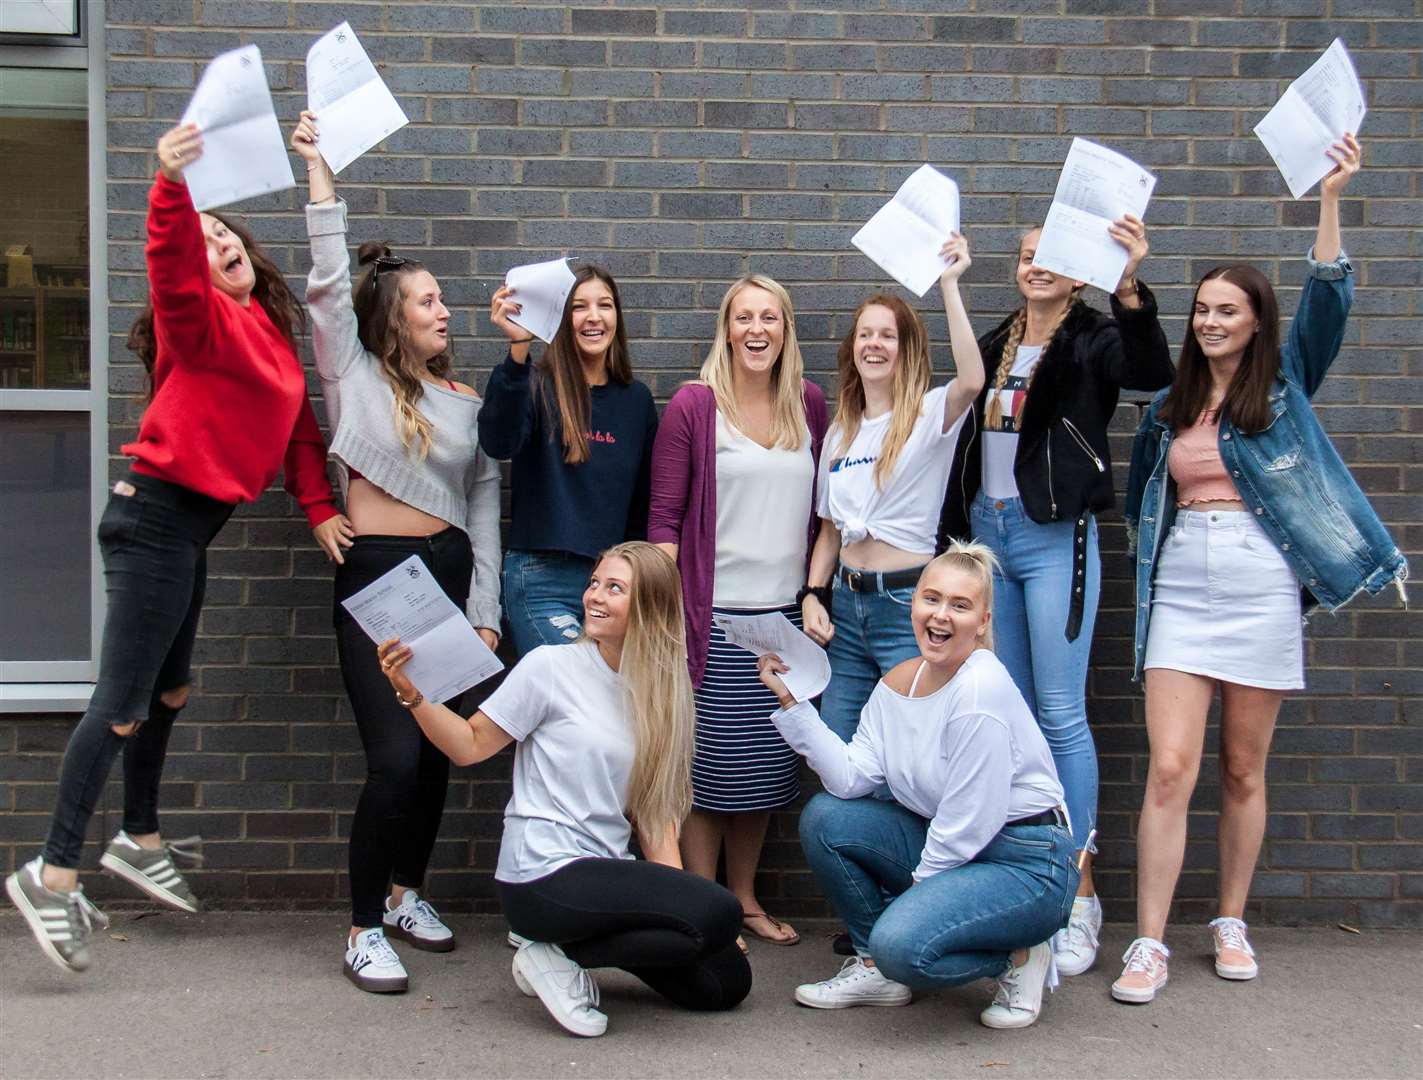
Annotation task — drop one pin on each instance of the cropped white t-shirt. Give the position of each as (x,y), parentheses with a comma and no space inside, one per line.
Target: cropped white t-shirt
(762,505)
(1000,443)
(906,513)
(566,709)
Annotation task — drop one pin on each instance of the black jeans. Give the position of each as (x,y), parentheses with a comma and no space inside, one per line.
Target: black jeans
(398,813)
(154,544)
(673,930)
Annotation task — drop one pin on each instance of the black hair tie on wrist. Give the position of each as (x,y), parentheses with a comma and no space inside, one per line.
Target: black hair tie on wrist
(820,592)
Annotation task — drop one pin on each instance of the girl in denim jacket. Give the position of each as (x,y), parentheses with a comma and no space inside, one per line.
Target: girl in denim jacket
(1236,500)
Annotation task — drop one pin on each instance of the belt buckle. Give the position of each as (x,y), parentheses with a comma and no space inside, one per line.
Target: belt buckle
(853,580)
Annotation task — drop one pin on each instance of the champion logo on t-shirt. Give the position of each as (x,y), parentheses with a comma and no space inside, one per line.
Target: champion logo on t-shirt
(837,464)
(1010,397)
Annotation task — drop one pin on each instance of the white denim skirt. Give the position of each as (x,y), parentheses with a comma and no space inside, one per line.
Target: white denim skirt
(1226,604)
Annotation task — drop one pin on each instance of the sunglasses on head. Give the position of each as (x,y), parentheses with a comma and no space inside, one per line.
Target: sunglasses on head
(387,262)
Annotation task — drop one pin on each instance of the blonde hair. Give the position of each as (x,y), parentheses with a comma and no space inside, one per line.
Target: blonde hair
(978,561)
(658,690)
(912,374)
(788,405)
(993,411)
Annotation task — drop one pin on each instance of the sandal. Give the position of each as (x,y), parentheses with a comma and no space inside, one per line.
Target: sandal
(747,916)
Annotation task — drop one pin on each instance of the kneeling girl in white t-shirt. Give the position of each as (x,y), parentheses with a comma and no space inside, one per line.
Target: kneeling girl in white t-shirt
(971,868)
(604,728)
(885,462)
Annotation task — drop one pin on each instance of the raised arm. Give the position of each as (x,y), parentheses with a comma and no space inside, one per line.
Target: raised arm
(180,283)
(968,360)
(1134,354)
(464,742)
(1317,330)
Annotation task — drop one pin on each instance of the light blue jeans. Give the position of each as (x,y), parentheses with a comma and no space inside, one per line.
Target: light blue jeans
(872,635)
(957,926)
(1031,596)
(543,597)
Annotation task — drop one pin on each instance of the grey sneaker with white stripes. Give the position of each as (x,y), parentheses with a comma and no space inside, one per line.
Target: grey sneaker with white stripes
(152,869)
(60,921)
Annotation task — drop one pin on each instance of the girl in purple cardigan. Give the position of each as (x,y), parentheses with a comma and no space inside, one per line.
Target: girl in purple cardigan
(733,501)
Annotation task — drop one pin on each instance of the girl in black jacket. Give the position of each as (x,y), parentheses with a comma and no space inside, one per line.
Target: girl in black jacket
(1030,472)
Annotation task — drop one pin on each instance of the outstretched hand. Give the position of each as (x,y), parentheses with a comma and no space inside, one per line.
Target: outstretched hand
(1347,156)
(955,249)
(304,137)
(1130,231)
(178,148)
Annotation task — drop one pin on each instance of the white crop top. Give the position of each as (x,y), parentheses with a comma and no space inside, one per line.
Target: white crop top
(1000,443)
(906,513)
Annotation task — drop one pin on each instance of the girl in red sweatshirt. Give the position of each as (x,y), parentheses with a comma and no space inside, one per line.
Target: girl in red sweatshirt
(228,410)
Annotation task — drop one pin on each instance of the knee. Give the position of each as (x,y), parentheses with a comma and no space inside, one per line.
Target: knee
(123,731)
(816,820)
(1064,724)
(177,697)
(721,919)
(1171,777)
(1242,776)
(895,954)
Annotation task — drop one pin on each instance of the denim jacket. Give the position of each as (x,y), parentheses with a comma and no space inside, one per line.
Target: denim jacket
(1288,475)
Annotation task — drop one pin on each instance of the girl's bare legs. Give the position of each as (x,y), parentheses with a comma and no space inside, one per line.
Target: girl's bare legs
(701,842)
(1247,724)
(1176,707)
(745,836)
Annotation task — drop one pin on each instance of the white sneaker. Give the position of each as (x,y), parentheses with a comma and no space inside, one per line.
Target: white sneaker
(517,941)
(1145,972)
(415,921)
(1074,947)
(1019,998)
(1234,958)
(568,992)
(372,964)
(857,983)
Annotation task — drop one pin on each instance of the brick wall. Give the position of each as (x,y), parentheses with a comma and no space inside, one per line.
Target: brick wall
(687,143)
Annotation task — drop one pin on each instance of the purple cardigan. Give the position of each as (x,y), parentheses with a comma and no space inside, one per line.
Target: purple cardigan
(683,510)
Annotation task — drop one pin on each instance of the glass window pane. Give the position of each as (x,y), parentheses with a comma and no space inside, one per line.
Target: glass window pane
(44,536)
(44,231)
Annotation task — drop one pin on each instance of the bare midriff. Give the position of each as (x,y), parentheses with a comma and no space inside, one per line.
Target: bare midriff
(373,512)
(872,554)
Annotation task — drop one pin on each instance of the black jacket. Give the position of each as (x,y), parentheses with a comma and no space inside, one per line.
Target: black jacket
(1062,467)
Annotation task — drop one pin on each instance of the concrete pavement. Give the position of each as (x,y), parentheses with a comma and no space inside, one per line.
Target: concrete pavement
(261,995)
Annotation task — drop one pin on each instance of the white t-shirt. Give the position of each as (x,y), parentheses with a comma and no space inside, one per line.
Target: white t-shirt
(906,513)
(969,757)
(1000,444)
(762,513)
(567,710)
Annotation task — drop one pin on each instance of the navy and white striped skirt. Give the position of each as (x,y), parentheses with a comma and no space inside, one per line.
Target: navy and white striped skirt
(741,763)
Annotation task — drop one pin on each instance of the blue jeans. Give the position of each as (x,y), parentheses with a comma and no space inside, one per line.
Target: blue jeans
(957,926)
(872,635)
(1031,595)
(543,597)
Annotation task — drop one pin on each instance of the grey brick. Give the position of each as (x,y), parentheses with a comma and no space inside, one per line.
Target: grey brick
(922,58)
(653,54)
(699,205)
(499,19)
(1029,60)
(698,144)
(792,87)
(576,112)
(743,114)
(603,21)
(705,24)
(1147,91)
(610,204)
(972,28)
(842,57)
(469,110)
(656,174)
(147,73)
(704,84)
(799,24)
(655,113)
(444,17)
(521,202)
(562,52)
(743,176)
(244,13)
(598,143)
(430,79)
(839,177)
(497,80)
(972,89)
(882,27)
(1064,31)
(794,146)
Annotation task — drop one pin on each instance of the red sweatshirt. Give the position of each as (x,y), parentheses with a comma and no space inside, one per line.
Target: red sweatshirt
(229,404)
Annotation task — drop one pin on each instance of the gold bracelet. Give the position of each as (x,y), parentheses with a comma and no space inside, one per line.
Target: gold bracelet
(416,700)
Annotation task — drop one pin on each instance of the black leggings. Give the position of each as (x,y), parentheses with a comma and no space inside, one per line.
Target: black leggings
(398,814)
(154,544)
(673,930)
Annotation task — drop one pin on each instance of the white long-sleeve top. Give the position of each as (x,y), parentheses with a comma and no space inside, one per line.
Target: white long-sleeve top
(969,757)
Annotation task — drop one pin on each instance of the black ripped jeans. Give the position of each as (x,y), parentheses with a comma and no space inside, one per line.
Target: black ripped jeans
(154,545)
(672,929)
(399,811)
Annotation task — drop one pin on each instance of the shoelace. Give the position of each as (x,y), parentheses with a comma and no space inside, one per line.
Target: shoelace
(584,988)
(380,950)
(1143,954)
(424,914)
(189,849)
(86,912)
(845,974)
(1231,934)
(1009,982)
(1079,930)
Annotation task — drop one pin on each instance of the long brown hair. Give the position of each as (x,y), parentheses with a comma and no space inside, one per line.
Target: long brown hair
(564,385)
(658,689)
(912,374)
(379,303)
(993,410)
(788,424)
(1247,399)
(270,290)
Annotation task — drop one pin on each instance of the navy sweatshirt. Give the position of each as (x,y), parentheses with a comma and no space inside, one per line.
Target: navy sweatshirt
(581,509)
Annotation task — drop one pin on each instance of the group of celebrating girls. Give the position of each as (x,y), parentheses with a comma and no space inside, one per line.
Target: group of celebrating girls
(939,541)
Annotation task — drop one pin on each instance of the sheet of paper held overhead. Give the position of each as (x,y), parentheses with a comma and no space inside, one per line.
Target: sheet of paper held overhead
(1096,187)
(354,108)
(541,290)
(1313,113)
(905,234)
(406,602)
(772,632)
(243,150)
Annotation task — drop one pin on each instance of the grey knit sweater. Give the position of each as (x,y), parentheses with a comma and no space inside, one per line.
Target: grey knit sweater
(456,482)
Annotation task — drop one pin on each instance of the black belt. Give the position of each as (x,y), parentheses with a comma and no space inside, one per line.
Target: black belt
(1054,816)
(878,580)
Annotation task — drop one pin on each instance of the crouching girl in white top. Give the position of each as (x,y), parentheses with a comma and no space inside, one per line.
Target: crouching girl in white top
(970,871)
(604,728)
